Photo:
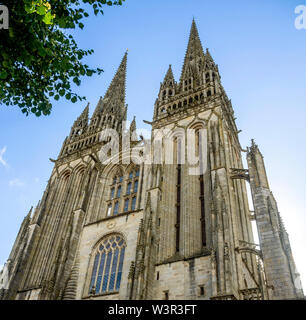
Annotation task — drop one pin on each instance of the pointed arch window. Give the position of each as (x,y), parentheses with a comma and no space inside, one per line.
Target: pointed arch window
(119,191)
(177,150)
(123,190)
(199,153)
(133,203)
(129,186)
(126,205)
(113,204)
(112,193)
(107,265)
(131,190)
(116,208)
(135,186)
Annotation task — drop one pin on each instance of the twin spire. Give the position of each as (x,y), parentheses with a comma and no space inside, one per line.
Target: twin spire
(114,99)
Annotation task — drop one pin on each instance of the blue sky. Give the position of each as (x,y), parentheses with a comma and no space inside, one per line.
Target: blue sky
(262,61)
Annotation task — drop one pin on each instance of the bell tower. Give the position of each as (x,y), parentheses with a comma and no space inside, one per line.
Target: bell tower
(203,219)
(279,265)
(44,262)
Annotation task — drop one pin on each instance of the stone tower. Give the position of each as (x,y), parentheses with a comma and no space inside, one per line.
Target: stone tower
(165,218)
(278,261)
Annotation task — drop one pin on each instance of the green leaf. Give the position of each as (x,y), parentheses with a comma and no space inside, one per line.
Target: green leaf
(3,74)
(89,73)
(48,18)
(77,81)
(30,8)
(11,32)
(27,60)
(42,52)
(5,64)
(39,59)
(41,10)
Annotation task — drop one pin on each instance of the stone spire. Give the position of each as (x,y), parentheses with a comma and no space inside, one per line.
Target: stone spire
(133,125)
(83,116)
(169,78)
(167,87)
(111,110)
(208,56)
(81,123)
(98,109)
(115,95)
(194,54)
(132,130)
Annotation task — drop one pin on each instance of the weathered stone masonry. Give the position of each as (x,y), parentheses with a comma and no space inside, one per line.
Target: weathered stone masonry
(154,231)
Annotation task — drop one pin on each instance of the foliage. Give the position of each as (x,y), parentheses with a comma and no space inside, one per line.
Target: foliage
(39,59)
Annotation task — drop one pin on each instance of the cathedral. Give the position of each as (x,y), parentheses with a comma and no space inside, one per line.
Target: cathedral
(129,218)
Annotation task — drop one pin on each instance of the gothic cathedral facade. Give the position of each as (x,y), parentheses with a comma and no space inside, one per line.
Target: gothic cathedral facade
(126,230)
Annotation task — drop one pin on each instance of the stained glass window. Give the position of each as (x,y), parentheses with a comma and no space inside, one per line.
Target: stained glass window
(136,186)
(133,203)
(123,189)
(119,192)
(112,193)
(129,186)
(116,208)
(126,205)
(107,266)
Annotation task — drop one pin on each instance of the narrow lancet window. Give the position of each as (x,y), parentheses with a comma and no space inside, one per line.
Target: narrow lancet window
(126,205)
(202,199)
(116,208)
(178,193)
